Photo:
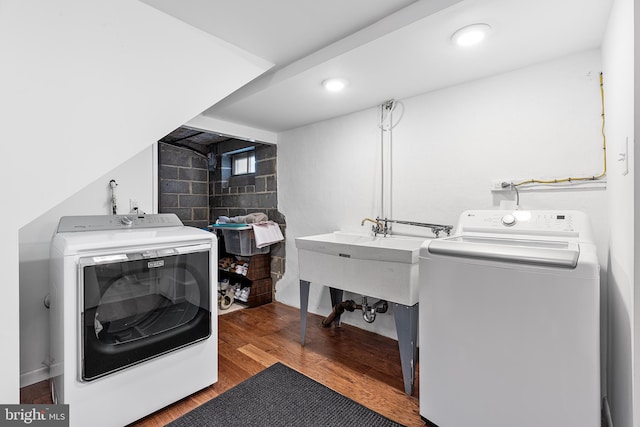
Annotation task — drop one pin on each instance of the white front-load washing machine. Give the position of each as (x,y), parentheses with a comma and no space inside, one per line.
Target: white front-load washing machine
(509,322)
(133,315)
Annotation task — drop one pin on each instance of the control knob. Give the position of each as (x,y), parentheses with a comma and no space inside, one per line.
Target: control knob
(508,220)
(125,220)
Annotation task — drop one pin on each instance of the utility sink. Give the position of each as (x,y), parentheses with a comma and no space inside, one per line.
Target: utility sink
(361,246)
(375,266)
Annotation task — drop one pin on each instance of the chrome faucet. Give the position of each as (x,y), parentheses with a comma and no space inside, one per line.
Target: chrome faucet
(377,227)
(381,226)
(435,228)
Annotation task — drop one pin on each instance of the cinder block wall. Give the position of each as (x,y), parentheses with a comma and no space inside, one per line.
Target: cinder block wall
(234,196)
(183,184)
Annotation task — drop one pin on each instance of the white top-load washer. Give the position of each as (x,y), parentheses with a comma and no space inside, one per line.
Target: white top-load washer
(509,322)
(133,315)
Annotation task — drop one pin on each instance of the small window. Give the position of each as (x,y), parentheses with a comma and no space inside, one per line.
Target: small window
(243,163)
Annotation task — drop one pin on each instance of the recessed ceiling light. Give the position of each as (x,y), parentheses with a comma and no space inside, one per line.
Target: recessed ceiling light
(335,84)
(471,34)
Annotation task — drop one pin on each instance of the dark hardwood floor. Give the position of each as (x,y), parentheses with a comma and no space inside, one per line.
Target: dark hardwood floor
(358,364)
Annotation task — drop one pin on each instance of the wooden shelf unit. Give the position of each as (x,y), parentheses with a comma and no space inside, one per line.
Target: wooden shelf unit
(258,278)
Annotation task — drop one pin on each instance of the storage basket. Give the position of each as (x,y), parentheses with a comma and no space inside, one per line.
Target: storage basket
(239,240)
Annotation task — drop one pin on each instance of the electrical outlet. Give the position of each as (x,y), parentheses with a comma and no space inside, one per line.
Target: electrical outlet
(133,205)
(496,185)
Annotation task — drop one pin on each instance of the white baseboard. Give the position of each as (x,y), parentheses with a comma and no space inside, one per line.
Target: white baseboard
(33,377)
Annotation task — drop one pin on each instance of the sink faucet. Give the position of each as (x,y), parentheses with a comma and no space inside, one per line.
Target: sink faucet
(435,228)
(377,228)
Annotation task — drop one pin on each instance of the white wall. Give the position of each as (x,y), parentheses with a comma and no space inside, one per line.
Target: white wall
(618,60)
(85,86)
(135,179)
(535,122)
(636,210)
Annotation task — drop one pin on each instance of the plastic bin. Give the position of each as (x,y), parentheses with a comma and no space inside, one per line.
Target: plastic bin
(240,240)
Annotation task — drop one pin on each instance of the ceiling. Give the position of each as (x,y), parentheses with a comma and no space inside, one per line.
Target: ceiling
(386,49)
(193,138)
(200,140)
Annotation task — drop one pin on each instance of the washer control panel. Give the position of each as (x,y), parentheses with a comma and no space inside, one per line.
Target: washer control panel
(559,223)
(116,222)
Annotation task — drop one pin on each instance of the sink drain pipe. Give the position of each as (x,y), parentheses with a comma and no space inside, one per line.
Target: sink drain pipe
(369,312)
(338,309)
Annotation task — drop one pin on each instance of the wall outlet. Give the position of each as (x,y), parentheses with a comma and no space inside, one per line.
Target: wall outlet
(133,205)
(496,185)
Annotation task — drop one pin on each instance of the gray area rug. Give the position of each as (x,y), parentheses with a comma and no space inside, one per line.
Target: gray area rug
(280,396)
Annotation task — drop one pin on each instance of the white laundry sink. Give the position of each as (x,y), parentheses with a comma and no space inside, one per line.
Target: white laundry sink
(375,266)
(362,246)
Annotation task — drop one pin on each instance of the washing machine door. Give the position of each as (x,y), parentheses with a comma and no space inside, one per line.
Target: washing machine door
(140,305)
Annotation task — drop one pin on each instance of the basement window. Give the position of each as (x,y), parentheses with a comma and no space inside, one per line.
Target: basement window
(243,162)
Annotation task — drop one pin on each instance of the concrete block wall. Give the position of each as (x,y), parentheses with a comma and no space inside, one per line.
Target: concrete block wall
(183,184)
(242,195)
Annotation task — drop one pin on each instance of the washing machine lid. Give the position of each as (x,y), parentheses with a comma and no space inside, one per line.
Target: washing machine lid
(552,253)
(79,235)
(83,223)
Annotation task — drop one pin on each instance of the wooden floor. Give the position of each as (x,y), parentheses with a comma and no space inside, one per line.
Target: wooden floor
(358,364)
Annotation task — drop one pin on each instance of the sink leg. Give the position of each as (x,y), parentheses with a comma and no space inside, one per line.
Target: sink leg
(407,329)
(336,298)
(304,306)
